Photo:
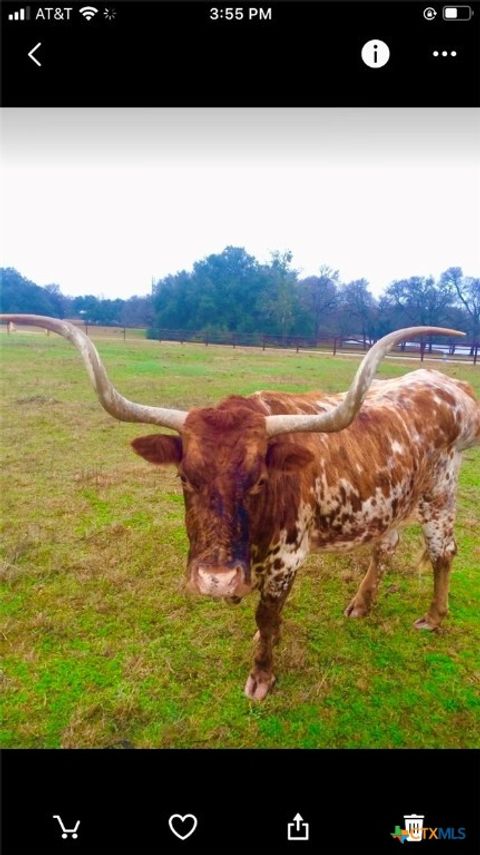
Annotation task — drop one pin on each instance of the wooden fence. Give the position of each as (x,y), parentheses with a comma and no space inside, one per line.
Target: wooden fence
(421,348)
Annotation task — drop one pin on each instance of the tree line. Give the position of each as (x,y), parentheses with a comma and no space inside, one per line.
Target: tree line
(19,295)
(233,293)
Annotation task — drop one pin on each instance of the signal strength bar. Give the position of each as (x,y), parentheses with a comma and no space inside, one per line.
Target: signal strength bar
(21,15)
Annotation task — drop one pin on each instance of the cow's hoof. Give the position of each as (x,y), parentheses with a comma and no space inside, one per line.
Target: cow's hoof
(355,610)
(257,689)
(425,623)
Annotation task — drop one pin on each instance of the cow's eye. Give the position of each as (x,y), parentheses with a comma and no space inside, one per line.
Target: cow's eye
(187,484)
(258,486)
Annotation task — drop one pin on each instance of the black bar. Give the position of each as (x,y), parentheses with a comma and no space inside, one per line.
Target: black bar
(353,801)
(305,54)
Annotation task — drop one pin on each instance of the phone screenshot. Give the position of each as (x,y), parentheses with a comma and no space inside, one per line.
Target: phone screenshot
(240,344)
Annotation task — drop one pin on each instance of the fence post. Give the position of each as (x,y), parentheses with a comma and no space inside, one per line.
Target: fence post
(124,333)
(298,345)
(234,344)
(475,354)
(263,344)
(86,328)
(206,341)
(335,346)
(422,350)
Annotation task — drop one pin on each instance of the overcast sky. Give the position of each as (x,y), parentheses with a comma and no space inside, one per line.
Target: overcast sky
(99,201)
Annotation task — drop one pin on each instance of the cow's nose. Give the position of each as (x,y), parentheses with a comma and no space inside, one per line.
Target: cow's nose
(215,581)
(224,581)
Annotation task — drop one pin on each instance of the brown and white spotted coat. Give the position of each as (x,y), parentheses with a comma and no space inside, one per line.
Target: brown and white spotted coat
(269,477)
(257,507)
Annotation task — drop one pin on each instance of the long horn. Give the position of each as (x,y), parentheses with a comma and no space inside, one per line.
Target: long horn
(114,403)
(346,410)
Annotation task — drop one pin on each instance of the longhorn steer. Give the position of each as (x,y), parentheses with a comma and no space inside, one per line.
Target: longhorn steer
(258,497)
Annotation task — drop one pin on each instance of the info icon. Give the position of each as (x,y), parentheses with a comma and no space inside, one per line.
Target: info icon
(375,53)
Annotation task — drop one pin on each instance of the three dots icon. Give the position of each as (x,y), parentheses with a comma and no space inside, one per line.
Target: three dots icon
(444,53)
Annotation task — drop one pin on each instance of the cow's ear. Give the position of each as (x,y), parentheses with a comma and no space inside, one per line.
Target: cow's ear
(159,448)
(287,456)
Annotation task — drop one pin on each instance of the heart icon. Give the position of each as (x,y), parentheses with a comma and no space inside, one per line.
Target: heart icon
(182,822)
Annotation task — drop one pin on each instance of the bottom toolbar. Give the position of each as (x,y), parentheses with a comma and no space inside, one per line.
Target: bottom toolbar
(146,802)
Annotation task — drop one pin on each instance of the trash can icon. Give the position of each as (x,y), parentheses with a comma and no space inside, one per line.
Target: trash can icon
(414,827)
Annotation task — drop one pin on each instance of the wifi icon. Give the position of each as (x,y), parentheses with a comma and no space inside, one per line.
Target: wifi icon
(88,12)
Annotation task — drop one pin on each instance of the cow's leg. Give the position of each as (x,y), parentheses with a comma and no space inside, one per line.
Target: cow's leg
(273,594)
(441,548)
(365,596)
(436,512)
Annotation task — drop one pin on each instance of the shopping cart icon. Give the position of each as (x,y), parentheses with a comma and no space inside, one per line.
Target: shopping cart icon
(67,831)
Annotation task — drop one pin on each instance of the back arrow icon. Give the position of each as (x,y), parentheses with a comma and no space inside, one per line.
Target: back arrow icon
(34,58)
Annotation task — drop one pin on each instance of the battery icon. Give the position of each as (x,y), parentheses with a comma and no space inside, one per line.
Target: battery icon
(457,13)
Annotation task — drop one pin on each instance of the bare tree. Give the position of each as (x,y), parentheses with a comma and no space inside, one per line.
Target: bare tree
(319,296)
(420,300)
(467,295)
(359,306)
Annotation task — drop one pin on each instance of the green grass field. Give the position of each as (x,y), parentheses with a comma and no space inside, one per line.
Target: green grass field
(100,644)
